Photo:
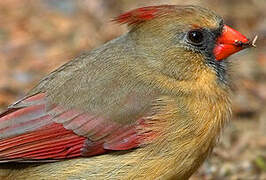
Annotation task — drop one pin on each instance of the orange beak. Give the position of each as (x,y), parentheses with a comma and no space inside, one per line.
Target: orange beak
(230,42)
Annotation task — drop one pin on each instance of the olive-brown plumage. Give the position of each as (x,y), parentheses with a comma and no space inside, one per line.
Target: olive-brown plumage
(147,105)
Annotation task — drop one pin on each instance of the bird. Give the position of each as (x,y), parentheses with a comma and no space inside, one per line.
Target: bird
(150,104)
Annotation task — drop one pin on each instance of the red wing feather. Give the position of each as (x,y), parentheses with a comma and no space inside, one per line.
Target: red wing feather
(33,132)
(49,142)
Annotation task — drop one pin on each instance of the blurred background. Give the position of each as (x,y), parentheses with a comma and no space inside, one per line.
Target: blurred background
(37,36)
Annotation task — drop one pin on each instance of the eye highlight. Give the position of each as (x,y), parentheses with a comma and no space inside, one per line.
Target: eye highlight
(195,37)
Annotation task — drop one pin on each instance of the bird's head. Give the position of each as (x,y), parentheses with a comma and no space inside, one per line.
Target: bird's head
(183,40)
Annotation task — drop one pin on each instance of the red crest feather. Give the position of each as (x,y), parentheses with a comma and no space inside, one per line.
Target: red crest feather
(143,14)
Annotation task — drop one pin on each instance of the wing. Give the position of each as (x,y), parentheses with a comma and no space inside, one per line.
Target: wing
(35,131)
(93,104)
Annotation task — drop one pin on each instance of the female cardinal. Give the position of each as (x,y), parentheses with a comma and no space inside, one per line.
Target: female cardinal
(147,105)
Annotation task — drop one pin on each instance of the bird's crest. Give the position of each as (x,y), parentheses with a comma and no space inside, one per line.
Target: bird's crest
(143,14)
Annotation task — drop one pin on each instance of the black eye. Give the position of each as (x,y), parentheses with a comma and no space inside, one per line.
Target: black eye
(195,37)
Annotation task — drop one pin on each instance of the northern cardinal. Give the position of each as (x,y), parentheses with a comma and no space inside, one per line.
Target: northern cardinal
(147,105)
